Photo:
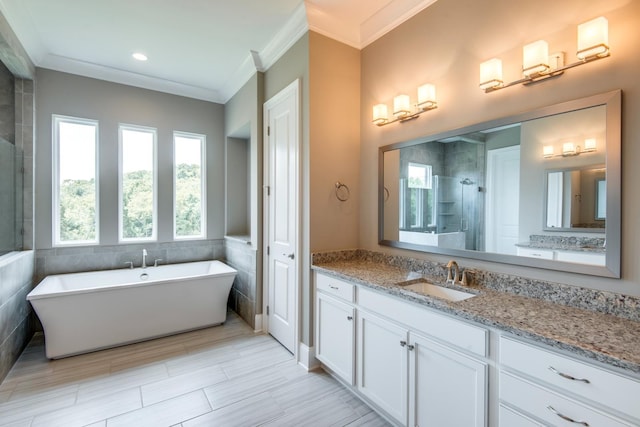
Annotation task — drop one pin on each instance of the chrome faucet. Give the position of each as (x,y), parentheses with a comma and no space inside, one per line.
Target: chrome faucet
(144,258)
(453,275)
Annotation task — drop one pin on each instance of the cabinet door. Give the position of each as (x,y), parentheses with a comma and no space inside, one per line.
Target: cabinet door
(335,336)
(383,364)
(447,388)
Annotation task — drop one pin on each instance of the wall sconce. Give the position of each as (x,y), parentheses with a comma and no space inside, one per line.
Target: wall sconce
(570,149)
(537,65)
(402,108)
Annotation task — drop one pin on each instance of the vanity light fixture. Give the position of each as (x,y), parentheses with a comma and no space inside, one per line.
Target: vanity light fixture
(570,149)
(403,109)
(538,65)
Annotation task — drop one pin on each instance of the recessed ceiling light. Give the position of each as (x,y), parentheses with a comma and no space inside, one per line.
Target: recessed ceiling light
(140,56)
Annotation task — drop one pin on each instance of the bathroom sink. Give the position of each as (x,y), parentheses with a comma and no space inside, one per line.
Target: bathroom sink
(430,289)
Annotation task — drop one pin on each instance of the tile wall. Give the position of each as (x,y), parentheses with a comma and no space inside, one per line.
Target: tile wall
(16,324)
(243,298)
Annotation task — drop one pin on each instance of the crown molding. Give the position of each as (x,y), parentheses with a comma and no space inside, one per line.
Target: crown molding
(389,17)
(100,72)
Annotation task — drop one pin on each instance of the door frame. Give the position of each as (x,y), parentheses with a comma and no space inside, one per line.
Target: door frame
(293,89)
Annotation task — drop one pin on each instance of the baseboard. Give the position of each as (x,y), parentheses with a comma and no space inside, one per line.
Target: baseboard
(307,357)
(258,323)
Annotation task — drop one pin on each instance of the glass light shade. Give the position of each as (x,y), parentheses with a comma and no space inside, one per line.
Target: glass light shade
(427,96)
(491,73)
(593,38)
(401,105)
(547,151)
(380,114)
(568,149)
(590,144)
(535,57)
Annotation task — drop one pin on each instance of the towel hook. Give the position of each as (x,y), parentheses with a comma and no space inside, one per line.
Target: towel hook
(342,192)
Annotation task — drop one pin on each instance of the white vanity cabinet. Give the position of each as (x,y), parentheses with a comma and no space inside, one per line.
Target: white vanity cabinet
(446,387)
(335,326)
(383,364)
(537,383)
(420,367)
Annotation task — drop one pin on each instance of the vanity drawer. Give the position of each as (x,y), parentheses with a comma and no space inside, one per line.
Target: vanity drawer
(605,387)
(335,287)
(536,253)
(459,333)
(551,407)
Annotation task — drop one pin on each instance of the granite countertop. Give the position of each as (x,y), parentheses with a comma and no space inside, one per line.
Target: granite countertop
(601,337)
(558,247)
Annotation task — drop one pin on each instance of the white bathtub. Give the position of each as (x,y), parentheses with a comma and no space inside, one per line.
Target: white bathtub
(83,312)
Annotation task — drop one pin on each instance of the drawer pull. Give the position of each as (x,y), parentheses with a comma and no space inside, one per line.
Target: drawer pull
(334,287)
(564,417)
(567,376)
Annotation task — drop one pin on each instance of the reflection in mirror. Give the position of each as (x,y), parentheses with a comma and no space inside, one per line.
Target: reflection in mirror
(575,199)
(537,185)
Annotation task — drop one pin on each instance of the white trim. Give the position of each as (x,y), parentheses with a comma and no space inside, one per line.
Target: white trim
(291,32)
(154,233)
(203,184)
(259,324)
(56,119)
(307,357)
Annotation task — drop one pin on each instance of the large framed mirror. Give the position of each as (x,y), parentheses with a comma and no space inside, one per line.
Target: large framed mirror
(539,189)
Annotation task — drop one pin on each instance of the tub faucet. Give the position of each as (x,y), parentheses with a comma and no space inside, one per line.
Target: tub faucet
(453,274)
(144,258)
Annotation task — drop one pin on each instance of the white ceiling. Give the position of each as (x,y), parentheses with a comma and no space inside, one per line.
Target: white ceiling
(204,49)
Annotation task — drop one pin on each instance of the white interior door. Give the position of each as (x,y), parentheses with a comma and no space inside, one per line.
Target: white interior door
(281,115)
(503,195)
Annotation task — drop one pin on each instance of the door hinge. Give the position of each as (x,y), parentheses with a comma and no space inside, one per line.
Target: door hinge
(268,130)
(267,310)
(268,190)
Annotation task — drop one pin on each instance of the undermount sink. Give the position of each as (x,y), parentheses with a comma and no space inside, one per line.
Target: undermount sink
(430,289)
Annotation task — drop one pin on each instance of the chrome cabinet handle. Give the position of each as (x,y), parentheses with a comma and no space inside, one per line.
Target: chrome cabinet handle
(410,347)
(334,287)
(349,317)
(290,256)
(403,343)
(567,376)
(564,417)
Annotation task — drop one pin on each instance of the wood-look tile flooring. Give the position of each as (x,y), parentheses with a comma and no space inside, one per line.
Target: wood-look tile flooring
(220,376)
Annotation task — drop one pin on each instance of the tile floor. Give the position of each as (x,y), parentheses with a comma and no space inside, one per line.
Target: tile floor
(220,376)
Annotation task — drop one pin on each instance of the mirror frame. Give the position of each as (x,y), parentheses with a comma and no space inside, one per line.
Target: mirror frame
(613,102)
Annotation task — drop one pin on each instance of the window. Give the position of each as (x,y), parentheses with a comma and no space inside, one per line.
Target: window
(75,181)
(137,183)
(420,196)
(188,185)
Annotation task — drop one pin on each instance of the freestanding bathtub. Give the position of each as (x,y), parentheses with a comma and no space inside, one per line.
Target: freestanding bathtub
(83,312)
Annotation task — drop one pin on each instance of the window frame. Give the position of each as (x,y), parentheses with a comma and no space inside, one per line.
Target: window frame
(56,119)
(154,234)
(203,184)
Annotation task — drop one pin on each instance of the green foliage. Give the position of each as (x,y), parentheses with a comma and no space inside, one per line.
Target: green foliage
(188,200)
(77,210)
(77,205)
(137,204)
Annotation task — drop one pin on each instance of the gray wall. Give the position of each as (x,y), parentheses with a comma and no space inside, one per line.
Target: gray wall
(111,104)
(243,127)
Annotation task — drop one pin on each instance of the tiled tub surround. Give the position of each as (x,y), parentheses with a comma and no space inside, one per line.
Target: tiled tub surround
(598,325)
(16,280)
(93,258)
(240,255)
